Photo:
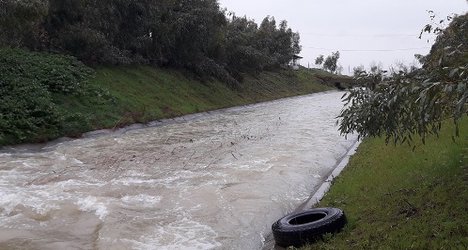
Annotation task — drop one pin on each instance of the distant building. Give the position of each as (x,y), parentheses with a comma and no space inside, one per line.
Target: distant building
(295,63)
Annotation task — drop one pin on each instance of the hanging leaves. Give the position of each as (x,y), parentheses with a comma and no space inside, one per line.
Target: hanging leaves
(409,103)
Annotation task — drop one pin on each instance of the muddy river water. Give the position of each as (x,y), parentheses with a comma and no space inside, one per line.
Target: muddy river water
(216,180)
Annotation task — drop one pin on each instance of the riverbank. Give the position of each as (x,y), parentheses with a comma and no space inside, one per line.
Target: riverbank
(51,96)
(399,198)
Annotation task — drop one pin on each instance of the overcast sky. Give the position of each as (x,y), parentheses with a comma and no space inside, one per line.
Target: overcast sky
(359,29)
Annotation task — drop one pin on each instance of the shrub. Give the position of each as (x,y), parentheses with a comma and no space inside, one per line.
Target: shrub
(26,110)
(58,73)
(28,82)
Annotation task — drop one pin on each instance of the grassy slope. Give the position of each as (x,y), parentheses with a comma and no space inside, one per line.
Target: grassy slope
(397,198)
(142,94)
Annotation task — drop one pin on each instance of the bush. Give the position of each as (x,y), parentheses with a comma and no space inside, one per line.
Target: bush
(208,67)
(26,110)
(58,73)
(29,81)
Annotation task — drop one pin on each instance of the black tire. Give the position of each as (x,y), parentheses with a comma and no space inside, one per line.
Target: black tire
(298,229)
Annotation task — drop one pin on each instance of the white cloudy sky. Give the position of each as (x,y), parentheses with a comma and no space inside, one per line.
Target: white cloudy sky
(357,28)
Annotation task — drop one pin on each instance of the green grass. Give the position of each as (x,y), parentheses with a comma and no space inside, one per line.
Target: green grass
(397,198)
(141,94)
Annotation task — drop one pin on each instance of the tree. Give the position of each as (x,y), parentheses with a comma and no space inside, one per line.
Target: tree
(191,34)
(357,71)
(331,61)
(319,60)
(417,102)
(20,22)
(421,59)
(296,43)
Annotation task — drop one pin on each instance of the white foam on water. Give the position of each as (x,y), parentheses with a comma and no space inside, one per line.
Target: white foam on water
(91,204)
(174,179)
(76,161)
(40,199)
(8,202)
(182,234)
(69,184)
(142,200)
(119,140)
(8,178)
(28,165)
(130,181)
(60,156)
(134,173)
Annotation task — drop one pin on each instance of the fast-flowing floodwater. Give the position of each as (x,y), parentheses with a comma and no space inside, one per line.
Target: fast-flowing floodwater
(216,180)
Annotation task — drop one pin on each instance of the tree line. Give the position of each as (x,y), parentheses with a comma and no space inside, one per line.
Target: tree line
(192,34)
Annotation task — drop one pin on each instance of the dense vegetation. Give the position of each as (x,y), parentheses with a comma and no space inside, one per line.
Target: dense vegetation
(28,84)
(416,102)
(191,34)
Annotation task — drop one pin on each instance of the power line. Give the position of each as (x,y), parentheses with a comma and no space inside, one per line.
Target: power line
(370,50)
(362,35)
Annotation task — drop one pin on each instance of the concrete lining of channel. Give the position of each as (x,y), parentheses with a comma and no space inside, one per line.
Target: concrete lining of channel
(317,196)
(325,187)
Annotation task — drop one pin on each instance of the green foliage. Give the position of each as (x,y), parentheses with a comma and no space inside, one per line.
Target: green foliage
(192,34)
(331,62)
(20,22)
(415,102)
(450,49)
(372,78)
(319,60)
(250,48)
(405,105)
(60,74)
(27,86)
(26,110)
